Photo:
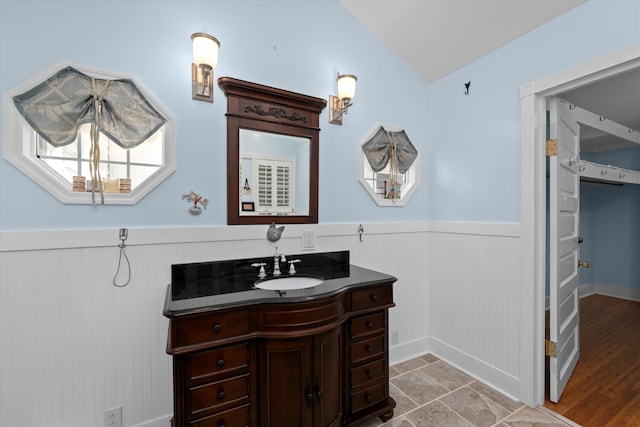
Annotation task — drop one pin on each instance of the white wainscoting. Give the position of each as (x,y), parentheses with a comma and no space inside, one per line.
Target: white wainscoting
(72,345)
(474,300)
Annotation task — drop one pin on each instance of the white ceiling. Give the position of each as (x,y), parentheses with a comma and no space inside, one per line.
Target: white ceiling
(437,37)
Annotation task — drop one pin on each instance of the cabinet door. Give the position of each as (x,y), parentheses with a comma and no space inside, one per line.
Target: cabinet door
(286,389)
(328,378)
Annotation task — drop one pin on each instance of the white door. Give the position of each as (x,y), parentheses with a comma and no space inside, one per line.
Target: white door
(564,216)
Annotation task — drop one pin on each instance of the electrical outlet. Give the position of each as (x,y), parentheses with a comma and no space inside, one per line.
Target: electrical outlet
(112,417)
(395,337)
(308,239)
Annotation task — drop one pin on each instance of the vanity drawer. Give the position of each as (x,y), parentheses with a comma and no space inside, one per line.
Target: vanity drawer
(212,327)
(236,417)
(369,324)
(378,296)
(300,315)
(219,361)
(221,393)
(368,373)
(367,397)
(367,349)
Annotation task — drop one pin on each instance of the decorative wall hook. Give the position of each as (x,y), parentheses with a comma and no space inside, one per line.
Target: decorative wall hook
(195,199)
(466,87)
(274,233)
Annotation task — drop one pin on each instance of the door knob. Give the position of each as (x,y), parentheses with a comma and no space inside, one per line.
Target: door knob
(580,239)
(583,264)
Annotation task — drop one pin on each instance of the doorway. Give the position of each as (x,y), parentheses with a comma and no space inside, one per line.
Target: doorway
(533,205)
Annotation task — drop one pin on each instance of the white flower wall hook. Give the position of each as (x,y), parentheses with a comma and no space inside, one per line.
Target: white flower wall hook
(195,199)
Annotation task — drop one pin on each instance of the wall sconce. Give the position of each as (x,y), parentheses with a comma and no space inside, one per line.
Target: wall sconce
(339,105)
(205,58)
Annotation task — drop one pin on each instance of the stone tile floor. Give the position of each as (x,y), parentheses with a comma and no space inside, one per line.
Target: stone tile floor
(431,393)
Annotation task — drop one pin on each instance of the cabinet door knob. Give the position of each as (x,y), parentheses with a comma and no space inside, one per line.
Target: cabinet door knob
(369,325)
(221,395)
(216,327)
(308,395)
(220,362)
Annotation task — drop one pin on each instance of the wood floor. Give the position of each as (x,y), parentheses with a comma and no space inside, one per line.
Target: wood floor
(604,390)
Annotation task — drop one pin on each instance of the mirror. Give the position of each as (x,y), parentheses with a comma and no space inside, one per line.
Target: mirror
(272,154)
(274,174)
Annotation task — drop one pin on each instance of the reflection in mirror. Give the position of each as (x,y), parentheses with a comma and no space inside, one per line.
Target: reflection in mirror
(274,174)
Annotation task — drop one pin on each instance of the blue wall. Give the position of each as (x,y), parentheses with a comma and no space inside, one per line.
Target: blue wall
(473,162)
(295,45)
(470,145)
(610,224)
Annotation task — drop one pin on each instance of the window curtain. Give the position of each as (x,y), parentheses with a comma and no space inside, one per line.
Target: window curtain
(56,108)
(390,147)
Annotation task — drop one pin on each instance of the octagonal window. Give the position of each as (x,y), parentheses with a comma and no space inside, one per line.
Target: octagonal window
(68,160)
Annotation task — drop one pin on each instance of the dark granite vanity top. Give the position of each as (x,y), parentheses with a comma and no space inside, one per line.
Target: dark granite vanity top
(209,286)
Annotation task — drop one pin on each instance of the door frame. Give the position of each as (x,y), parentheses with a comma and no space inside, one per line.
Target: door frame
(533,205)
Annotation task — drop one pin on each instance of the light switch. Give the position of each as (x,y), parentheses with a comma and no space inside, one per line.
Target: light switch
(308,239)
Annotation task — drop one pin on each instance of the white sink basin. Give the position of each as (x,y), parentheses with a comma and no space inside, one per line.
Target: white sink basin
(289,282)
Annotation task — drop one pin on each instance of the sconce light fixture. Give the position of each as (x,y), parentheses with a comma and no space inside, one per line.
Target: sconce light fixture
(205,58)
(339,105)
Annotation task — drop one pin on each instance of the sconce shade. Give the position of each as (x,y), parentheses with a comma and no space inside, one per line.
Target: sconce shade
(205,49)
(346,86)
(339,105)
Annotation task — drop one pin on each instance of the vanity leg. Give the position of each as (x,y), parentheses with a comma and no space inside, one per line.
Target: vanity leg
(386,417)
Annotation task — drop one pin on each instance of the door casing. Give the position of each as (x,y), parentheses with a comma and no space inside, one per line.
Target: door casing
(533,205)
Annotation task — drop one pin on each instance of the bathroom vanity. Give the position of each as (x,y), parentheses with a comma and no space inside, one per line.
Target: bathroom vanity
(244,356)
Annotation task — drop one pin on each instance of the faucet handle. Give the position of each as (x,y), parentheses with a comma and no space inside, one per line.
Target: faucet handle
(292,269)
(262,273)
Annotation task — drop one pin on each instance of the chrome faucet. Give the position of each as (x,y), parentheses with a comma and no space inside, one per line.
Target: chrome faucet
(276,262)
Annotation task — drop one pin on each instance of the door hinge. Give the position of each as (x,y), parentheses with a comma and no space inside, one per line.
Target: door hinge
(550,348)
(552,147)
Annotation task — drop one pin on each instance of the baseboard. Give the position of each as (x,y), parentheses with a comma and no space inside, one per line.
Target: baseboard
(606,290)
(158,422)
(501,381)
(611,291)
(407,351)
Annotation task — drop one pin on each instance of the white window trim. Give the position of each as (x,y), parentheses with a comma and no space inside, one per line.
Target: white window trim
(18,154)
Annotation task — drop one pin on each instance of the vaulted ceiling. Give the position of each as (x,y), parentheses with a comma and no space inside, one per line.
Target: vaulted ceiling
(437,37)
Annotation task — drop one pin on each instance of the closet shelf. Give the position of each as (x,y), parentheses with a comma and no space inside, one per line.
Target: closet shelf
(608,173)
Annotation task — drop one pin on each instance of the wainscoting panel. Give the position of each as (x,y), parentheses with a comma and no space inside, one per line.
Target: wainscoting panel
(474,300)
(72,345)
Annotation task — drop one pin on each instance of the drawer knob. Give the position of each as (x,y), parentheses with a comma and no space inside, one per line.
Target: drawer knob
(369,374)
(217,327)
(369,325)
(221,424)
(369,349)
(374,297)
(220,362)
(368,398)
(221,395)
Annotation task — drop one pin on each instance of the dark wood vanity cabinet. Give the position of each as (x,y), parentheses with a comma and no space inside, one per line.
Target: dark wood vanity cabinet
(322,362)
(302,381)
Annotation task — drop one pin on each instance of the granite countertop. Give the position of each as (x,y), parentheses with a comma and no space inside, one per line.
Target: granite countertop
(204,287)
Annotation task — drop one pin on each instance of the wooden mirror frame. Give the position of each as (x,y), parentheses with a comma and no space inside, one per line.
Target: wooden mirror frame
(263,108)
